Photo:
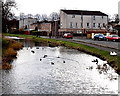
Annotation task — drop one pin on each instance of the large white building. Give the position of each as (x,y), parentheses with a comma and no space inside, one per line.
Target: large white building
(77,20)
(26,22)
(119,11)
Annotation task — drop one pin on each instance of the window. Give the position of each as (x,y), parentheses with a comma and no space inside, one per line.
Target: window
(81,25)
(88,25)
(93,17)
(93,24)
(73,16)
(76,25)
(103,24)
(102,17)
(98,24)
(70,24)
(81,17)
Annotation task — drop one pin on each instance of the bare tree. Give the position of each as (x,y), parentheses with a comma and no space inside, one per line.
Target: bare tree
(22,16)
(44,17)
(116,18)
(38,17)
(7,14)
(54,16)
(29,16)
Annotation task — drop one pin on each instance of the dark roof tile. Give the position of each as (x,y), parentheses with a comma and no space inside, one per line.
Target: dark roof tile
(84,12)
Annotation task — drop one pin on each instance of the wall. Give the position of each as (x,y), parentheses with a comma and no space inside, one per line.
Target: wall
(119,11)
(26,22)
(66,20)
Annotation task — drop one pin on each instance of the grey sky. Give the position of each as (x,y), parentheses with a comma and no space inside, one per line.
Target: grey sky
(109,7)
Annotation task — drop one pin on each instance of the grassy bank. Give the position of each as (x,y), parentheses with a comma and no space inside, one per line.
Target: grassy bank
(9,52)
(114,61)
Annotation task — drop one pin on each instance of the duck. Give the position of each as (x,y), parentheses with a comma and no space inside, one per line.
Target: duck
(40,59)
(37,47)
(63,61)
(112,53)
(58,57)
(52,63)
(33,51)
(44,56)
(96,60)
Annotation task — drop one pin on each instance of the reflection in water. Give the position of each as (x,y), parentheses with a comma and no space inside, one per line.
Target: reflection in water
(58,70)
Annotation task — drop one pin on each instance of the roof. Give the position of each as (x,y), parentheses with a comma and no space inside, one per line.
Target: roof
(84,12)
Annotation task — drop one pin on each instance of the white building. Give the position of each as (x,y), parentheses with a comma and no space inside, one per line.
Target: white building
(26,22)
(119,11)
(77,20)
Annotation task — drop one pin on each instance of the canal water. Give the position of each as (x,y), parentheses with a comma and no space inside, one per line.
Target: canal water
(40,69)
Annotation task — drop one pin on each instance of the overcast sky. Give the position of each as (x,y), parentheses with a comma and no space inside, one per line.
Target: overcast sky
(109,7)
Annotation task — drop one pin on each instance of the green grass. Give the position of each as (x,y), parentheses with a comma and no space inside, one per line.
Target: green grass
(87,49)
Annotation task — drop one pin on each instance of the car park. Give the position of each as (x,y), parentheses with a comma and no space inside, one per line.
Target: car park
(113,38)
(68,36)
(99,37)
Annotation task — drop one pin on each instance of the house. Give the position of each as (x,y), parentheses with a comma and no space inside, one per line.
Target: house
(25,22)
(82,21)
(119,11)
(46,27)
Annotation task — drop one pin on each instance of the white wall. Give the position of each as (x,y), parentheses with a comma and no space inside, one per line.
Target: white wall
(26,22)
(66,19)
(119,11)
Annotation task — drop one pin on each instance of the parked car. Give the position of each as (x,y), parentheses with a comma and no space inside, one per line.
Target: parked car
(99,37)
(68,36)
(113,38)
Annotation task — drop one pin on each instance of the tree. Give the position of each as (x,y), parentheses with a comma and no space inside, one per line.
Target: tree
(117,18)
(44,17)
(22,16)
(54,16)
(38,17)
(29,16)
(7,14)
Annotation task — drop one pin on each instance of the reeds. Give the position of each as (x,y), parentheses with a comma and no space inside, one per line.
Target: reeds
(10,48)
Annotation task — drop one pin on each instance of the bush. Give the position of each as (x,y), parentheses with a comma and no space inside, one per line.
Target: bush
(5,43)
(10,52)
(16,46)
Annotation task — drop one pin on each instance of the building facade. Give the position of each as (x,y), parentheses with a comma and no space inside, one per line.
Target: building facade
(46,27)
(80,20)
(119,11)
(26,22)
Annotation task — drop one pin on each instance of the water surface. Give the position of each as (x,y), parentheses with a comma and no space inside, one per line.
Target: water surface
(57,70)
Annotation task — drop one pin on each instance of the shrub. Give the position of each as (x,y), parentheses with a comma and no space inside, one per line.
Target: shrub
(10,52)
(6,66)
(16,46)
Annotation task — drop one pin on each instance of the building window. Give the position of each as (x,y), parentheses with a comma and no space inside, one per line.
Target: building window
(81,17)
(93,17)
(88,25)
(93,24)
(103,24)
(76,25)
(81,25)
(98,25)
(71,25)
(102,17)
(73,16)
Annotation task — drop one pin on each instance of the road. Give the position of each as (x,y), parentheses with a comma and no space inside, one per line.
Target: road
(108,44)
